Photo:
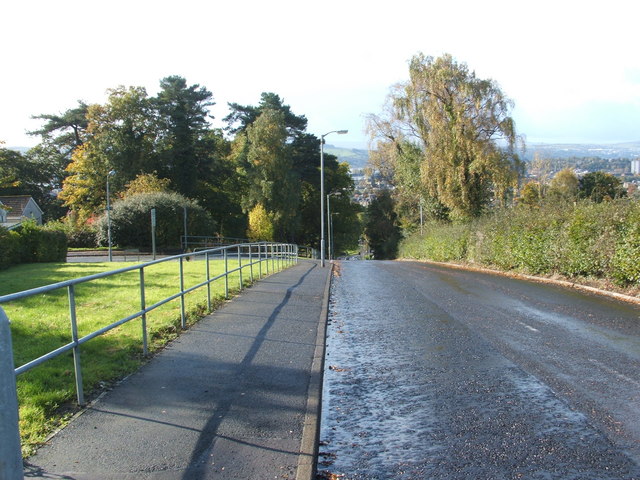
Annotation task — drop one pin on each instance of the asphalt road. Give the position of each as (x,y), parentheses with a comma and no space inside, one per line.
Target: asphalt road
(440,373)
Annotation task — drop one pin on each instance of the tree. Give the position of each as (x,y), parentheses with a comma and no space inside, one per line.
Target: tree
(294,180)
(10,161)
(599,186)
(260,224)
(530,194)
(145,183)
(305,154)
(60,135)
(381,228)
(242,116)
(24,174)
(183,144)
(400,163)
(121,137)
(67,130)
(563,186)
(346,224)
(462,127)
(272,182)
(223,189)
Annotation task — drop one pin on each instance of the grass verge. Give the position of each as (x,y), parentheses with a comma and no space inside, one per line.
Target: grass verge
(40,324)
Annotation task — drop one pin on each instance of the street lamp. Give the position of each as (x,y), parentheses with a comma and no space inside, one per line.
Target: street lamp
(339,132)
(110,174)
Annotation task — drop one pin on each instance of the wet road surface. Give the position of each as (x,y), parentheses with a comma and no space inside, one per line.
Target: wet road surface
(440,373)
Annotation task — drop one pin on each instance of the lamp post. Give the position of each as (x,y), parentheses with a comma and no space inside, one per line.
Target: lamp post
(339,132)
(110,174)
(329,227)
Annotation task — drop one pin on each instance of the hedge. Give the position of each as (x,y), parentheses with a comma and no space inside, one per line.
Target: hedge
(585,240)
(31,243)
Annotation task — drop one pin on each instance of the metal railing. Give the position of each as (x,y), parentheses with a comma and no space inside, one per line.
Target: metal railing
(199,242)
(246,259)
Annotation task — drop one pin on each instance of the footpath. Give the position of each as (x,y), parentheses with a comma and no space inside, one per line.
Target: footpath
(237,396)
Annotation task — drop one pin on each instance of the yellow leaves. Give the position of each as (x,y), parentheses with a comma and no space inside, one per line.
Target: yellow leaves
(146,183)
(260,224)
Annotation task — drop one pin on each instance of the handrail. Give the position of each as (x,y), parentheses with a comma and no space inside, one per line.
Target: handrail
(75,281)
(279,254)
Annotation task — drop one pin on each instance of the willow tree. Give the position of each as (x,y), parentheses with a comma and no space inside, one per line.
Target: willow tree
(462,126)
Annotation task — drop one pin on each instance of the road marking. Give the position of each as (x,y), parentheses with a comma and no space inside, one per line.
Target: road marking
(528,326)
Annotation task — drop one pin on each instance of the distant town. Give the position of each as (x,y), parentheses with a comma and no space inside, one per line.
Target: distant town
(620,159)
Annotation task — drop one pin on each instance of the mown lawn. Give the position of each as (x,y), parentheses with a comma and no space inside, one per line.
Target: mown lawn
(39,324)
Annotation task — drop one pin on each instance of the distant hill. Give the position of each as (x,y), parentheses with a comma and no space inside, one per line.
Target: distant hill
(567,150)
(355,157)
(19,149)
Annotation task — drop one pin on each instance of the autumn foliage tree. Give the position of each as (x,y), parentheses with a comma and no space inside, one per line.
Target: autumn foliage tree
(260,224)
(463,130)
(263,168)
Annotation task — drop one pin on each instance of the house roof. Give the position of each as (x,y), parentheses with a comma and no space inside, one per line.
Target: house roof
(16,204)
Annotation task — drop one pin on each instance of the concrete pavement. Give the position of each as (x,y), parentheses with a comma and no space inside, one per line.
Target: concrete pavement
(235,397)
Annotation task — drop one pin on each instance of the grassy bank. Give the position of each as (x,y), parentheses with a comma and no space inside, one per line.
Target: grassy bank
(40,324)
(582,242)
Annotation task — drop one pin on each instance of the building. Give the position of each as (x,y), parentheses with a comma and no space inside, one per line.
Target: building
(14,209)
(635,166)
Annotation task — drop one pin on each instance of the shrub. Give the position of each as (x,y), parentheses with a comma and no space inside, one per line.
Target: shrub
(37,244)
(9,248)
(131,220)
(441,242)
(587,239)
(624,264)
(31,243)
(53,246)
(81,235)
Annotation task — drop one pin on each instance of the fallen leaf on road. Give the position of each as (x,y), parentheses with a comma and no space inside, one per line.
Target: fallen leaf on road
(338,369)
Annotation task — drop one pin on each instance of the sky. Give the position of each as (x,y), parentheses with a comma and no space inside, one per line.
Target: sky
(572,68)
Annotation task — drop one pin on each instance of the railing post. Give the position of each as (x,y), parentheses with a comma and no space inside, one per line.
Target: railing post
(279,256)
(143,305)
(250,263)
(183,315)
(226,275)
(266,255)
(273,258)
(260,260)
(206,258)
(240,265)
(76,346)
(10,455)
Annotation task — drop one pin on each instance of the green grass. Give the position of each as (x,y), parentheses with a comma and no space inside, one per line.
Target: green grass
(39,324)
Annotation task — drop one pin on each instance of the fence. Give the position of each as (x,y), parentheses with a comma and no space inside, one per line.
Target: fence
(249,257)
(194,242)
